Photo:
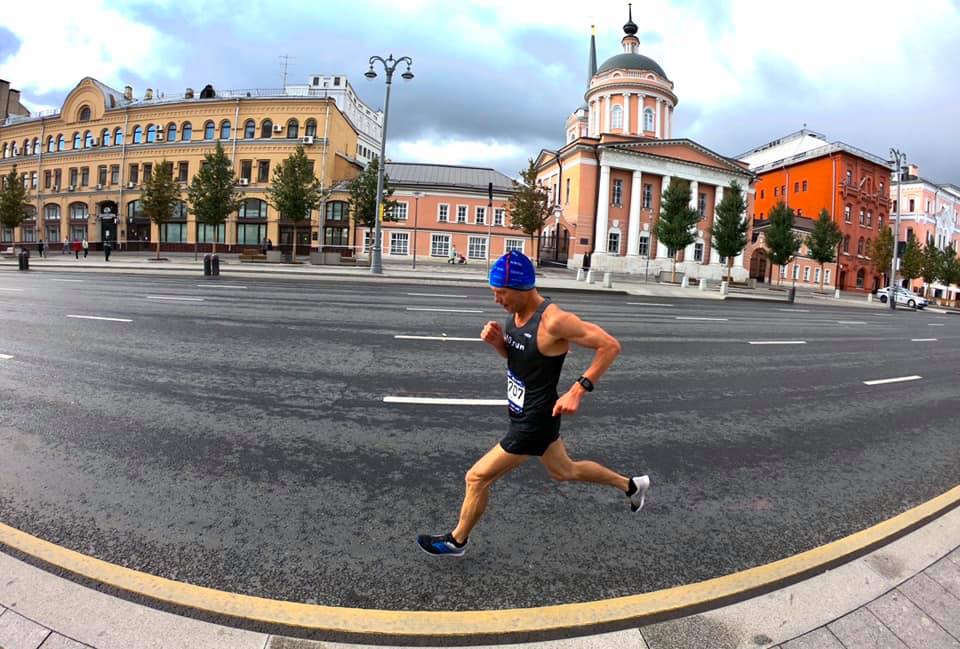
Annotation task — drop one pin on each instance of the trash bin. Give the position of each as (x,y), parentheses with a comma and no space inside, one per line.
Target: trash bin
(206,265)
(792,295)
(215,265)
(24,259)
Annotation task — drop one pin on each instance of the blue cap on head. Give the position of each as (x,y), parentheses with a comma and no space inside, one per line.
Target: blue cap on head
(513,270)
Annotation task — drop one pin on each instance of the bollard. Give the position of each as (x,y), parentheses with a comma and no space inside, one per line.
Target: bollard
(703,285)
(836,294)
(215,265)
(206,265)
(792,295)
(590,276)
(723,287)
(580,274)
(24,259)
(869,298)
(685,282)
(608,280)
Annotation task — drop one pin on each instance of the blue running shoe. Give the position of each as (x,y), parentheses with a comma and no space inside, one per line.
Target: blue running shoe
(441,545)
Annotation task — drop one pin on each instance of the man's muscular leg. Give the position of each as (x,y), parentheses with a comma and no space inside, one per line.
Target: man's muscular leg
(488,469)
(561,467)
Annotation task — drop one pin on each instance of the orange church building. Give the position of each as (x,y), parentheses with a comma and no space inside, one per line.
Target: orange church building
(620,155)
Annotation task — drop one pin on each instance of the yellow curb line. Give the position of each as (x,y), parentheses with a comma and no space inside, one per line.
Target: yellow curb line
(657,605)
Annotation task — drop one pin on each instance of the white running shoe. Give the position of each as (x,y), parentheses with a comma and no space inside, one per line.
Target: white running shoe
(642,483)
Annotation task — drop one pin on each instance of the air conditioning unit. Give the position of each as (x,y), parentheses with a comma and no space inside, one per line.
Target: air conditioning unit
(56,188)
(278,128)
(244,182)
(99,186)
(71,188)
(94,142)
(131,185)
(159,137)
(308,139)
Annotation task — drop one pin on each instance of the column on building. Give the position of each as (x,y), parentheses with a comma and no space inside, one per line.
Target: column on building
(658,120)
(714,255)
(633,226)
(626,113)
(662,249)
(694,190)
(603,210)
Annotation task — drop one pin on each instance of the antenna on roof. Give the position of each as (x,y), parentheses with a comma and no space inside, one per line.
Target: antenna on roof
(286,58)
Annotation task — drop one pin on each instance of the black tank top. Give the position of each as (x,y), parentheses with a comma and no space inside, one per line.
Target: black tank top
(531,377)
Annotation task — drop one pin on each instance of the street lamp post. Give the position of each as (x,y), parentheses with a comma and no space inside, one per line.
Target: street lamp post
(416,212)
(389,65)
(898,160)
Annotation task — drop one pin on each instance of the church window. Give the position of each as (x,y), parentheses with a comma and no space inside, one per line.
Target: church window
(644,248)
(698,251)
(613,243)
(617,199)
(616,117)
(647,196)
(648,119)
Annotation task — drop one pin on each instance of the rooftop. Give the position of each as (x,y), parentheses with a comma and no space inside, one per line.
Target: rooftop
(412,173)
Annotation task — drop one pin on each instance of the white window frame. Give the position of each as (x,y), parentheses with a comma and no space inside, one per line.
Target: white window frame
(401,210)
(647,201)
(480,215)
(398,238)
(644,246)
(783,272)
(806,273)
(796,271)
(698,251)
(443,213)
(499,214)
(463,214)
(616,192)
(616,117)
(826,276)
(513,244)
(610,239)
(649,122)
(440,245)
(816,275)
(477,247)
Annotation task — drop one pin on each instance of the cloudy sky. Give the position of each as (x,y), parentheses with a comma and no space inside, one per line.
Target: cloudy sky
(495,79)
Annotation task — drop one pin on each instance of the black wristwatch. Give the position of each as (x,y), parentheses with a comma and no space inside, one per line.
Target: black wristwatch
(586,383)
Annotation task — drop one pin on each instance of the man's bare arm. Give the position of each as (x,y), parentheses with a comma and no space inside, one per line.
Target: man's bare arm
(568,326)
(492,334)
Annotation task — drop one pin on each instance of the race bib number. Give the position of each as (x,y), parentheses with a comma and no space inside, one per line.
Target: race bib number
(515,393)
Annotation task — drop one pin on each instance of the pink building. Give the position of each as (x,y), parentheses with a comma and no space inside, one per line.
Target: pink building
(929,212)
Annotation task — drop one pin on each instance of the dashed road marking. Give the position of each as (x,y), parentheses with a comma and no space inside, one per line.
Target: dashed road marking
(12,290)
(851,322)
(446,402)
(435,295)
(778,342)
(687,317)
(934,324)
(899,379)
(220,286)
(450,338)
(175,298)
(97,317)
(795,310)
(649,304)
(923,340)
(5,357)
(66,280)
(418,308)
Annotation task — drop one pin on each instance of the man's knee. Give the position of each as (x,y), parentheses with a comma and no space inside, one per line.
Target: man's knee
(563,473)
(478,479)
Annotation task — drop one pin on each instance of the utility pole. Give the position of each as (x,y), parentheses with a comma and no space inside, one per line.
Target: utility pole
(286,58)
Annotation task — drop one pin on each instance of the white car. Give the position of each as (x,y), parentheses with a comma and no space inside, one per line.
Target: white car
(904,296)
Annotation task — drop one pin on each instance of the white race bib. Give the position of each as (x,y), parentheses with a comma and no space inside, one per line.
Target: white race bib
(515,393)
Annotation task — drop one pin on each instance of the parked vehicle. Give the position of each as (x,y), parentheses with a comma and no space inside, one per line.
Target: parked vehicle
(904,296)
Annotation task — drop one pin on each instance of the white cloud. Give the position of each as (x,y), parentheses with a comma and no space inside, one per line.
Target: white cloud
(454,151)
(63,41)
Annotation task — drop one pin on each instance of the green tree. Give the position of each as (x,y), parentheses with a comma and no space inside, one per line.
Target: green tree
(881,253)
(823,241)
(363,198)
(295,190)
(951,267)
(675,227)
(212,194)
(781,241)
(729,227)
(932,268)
(13,196)
(911,263)
(160,196)
(529,206)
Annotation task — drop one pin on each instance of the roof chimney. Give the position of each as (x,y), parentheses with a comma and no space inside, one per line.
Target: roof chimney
(128,93)
(148,95)
(188,94)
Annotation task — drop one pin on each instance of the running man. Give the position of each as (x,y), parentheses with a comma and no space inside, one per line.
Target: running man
(535,341)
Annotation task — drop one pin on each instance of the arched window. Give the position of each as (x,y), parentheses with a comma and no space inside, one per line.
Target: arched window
(648,119)
(51,144)
(61,142)
(311,127)
(118,136)
(253,208)
(867,247)
(209,128)
(846,243)
(249,129)
(105,137)
(860,276)
(616,117)
(85,114)
(869,217)
(13,149)
(151,133)
(36,146)
(186,132)
(225,129)
(266,128)
(860,246)
(293,129)
(338,211)
(78,211)
(6,150)
(87,140)
(171,132)
(51,212)
(26,147)
(134,210)
(137,134)
(76,140)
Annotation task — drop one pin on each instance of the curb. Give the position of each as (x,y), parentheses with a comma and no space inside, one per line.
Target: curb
(561,620)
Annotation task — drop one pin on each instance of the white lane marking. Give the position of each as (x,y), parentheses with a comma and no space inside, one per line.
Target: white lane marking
(931,324)
(434,295)
(66,280)
(778,342)
(417,308)
(5,357)
(923,340)
(436,338)
(12,290)
(685,317)
(795,310)
(850,322)
(899,379)
(446,402)
(172,297)
(649,304)
(96,317)
(220,286)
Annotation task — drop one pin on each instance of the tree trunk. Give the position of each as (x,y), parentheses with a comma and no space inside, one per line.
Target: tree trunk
(673,272)
(821,277)
(158,247)
(729,270)
(215,237)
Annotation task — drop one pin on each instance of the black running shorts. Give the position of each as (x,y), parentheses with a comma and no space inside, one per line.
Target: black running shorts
(533,442)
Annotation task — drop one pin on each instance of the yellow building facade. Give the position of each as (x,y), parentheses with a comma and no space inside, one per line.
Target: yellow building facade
(84,166)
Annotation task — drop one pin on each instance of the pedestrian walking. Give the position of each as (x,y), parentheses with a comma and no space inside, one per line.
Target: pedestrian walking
(107,249)
(66,246)
(452,257)
(535,340)
(86,247)
(77,247)
(40,248)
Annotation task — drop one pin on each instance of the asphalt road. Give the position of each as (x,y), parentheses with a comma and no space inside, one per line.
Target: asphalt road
(237,436)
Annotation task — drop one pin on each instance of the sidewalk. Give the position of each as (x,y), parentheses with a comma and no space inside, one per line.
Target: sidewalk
(905,594)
